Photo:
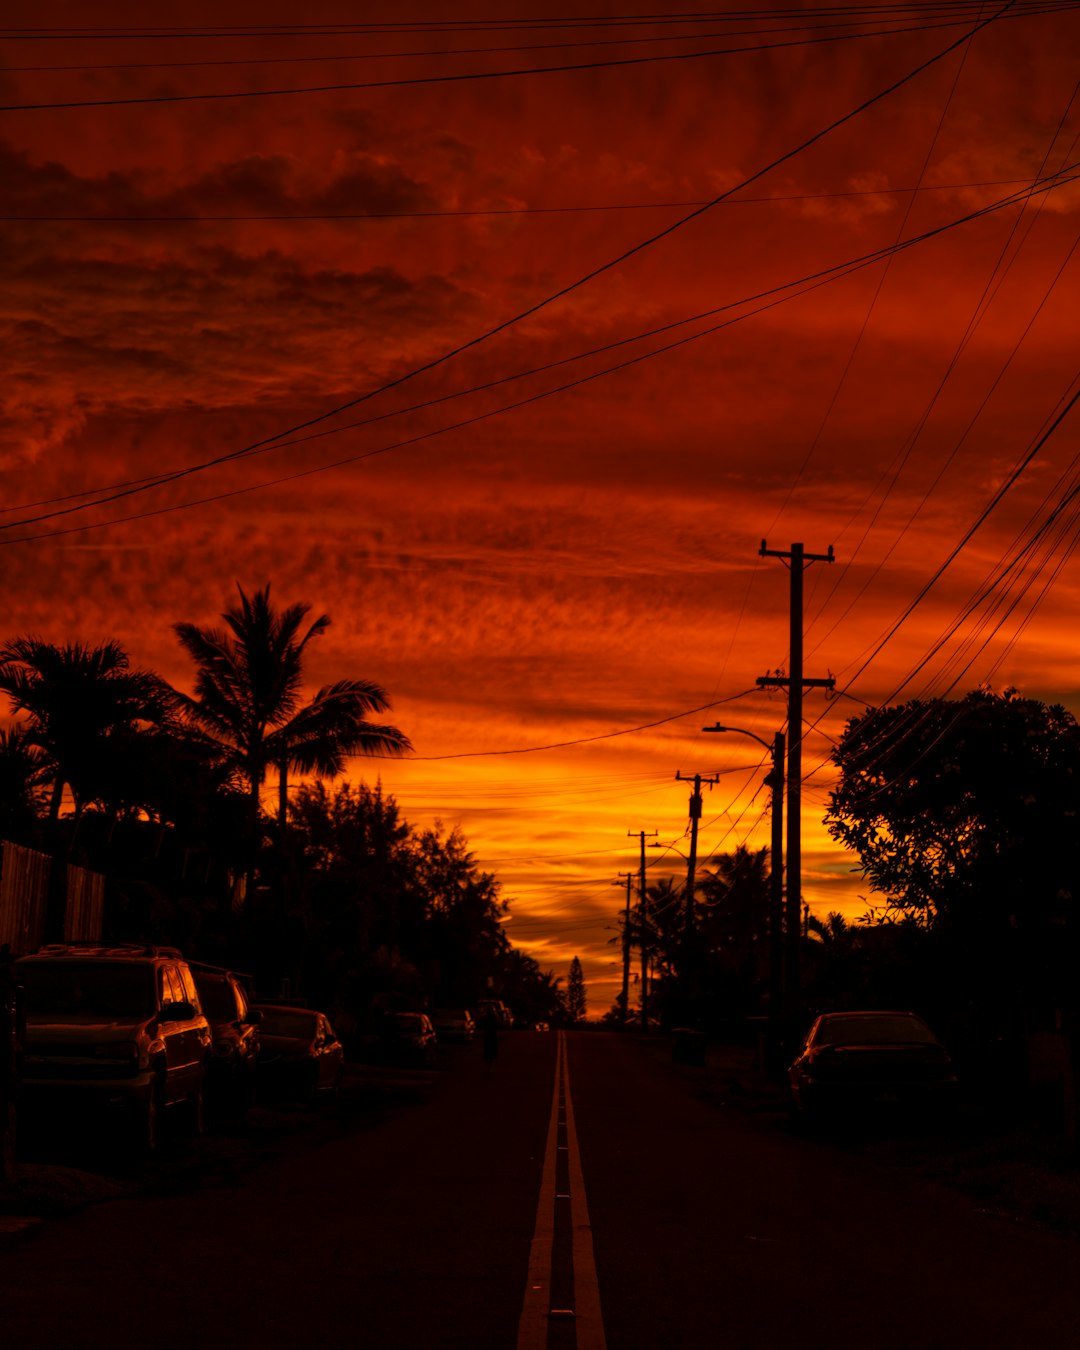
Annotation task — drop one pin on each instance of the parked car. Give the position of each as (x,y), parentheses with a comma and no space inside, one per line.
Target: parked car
(234,1027)
(409,1038)
(117,1029)
(502,1013)
(453,1024)
(852,1061)
(299,1052)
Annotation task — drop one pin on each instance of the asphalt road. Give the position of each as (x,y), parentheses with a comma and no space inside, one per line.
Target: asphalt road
(709,1227)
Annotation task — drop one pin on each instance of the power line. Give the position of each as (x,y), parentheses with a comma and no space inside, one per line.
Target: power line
(141,32)
(565,68)
(279,441)
(581,740)
(1001,269)
(444,52)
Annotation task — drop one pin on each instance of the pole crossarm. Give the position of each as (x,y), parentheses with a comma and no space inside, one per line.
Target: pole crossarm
(796,551)
(782,682)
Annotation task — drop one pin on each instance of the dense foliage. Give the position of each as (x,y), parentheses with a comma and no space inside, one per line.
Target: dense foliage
(333,898)
(576,1000)
(963,817)
(714,973)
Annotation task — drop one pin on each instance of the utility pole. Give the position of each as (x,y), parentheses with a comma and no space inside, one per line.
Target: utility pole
(626,949)
(691,864)
(796,682)
(643,918)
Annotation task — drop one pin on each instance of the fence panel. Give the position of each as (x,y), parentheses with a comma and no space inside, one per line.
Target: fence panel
(85,905)
(24,887)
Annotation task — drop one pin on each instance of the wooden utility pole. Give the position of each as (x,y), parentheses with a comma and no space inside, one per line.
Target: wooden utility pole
(796,682)
(691,862)
(643,918)
(626,950)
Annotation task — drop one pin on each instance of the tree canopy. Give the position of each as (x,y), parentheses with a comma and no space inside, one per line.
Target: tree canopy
(84,708)
(576,1002)
(962,814)
(248,698)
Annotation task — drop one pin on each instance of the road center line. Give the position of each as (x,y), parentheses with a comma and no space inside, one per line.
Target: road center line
(533,1323)
(536,1308)
(590,1322)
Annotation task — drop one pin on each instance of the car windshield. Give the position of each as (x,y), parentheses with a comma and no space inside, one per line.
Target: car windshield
(216,998)
(868,1030)
(287,1022)
(86,988)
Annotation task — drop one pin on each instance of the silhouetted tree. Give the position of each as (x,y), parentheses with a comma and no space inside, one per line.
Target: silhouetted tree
(247,699)
(531,993)
(733,919)
(81,705)
(575,992)
(339,938)
(383,907)
(22,767)
(454,920)
(660,929)
(963,816)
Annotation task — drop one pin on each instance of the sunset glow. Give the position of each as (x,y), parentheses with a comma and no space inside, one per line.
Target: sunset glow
(474,366)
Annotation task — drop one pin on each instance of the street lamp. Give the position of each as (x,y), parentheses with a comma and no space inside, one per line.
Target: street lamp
(778,985)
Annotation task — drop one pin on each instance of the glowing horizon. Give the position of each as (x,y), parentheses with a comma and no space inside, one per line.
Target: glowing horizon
(573,567)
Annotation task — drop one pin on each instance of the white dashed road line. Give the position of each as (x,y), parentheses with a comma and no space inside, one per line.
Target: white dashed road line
(536,1310)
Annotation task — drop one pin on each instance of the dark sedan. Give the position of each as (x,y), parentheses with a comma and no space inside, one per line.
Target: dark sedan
(299,1052)
(410,1039)
(234,1025)
(851,1062)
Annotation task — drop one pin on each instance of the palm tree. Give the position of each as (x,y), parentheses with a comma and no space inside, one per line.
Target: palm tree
(80,703)
(21,766)
(248,700)
(659,930)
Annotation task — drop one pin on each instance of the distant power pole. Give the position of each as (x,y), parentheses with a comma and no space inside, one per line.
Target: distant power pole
(626,950)
(795,682)
(643,909)
(691,862)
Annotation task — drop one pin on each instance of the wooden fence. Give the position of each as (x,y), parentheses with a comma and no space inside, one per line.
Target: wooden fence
(85,908)
(24,890)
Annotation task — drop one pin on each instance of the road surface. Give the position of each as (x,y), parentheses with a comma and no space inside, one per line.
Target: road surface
(593,1183)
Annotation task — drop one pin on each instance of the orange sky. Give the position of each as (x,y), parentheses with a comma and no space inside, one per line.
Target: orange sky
(585,564)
